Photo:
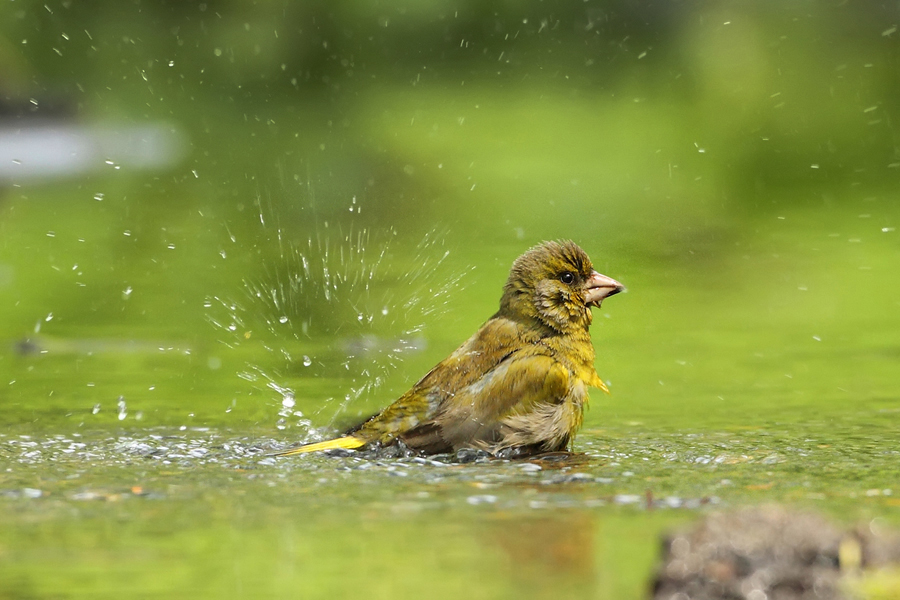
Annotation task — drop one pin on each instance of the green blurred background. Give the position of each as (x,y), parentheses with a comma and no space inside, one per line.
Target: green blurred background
(335,198)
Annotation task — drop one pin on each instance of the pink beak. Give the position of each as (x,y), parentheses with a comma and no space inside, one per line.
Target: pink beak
(599,287)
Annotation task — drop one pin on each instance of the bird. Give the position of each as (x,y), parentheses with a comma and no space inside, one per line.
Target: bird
(519,385)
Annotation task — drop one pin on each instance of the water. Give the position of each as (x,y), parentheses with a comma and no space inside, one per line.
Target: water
(190,502)
(337,229)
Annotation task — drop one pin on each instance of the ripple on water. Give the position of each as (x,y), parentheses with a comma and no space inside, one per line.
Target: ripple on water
(643,471)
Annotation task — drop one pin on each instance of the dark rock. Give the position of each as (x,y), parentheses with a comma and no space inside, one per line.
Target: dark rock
(767,553)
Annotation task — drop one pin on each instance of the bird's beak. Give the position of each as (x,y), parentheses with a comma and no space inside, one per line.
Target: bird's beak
(599,287)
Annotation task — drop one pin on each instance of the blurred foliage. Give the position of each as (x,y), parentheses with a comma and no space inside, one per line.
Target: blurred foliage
(803,94)
(654,133)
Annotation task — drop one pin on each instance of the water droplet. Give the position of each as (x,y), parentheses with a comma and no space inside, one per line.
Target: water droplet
(96,409)
(122,408)
(306,361)
(98,197)
(283,319)
(126,293)
(288,400)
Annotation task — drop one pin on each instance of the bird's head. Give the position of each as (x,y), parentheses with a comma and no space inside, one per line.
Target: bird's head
(556,284)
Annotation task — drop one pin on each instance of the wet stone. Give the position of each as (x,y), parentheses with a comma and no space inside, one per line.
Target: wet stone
(481,499)
(768,553)
(339,453)
(470,455)
(428,461)
(530,468)
(569,478)
(395,450)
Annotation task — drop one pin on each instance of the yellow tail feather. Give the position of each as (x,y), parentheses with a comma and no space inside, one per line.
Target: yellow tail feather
(347,442)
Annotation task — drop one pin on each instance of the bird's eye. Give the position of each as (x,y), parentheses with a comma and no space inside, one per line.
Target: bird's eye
(568,277)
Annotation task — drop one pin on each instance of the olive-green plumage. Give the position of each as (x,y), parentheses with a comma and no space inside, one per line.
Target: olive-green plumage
(521,382)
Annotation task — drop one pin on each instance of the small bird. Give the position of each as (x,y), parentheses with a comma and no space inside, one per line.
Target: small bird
(520,384)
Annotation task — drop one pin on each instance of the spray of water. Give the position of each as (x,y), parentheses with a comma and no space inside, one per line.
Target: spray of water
(337,305)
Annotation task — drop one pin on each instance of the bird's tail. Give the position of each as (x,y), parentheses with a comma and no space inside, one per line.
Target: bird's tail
(347,442)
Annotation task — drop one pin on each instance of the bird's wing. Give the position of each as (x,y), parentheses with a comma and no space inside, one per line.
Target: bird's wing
(525,378)
(491,346)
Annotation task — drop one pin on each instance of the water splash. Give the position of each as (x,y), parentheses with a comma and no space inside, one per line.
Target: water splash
(336,304)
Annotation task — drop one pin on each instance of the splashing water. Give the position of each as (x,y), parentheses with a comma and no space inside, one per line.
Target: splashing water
(341,305)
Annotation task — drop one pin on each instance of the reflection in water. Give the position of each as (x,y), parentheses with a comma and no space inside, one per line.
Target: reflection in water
(548,556)
(42,344)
